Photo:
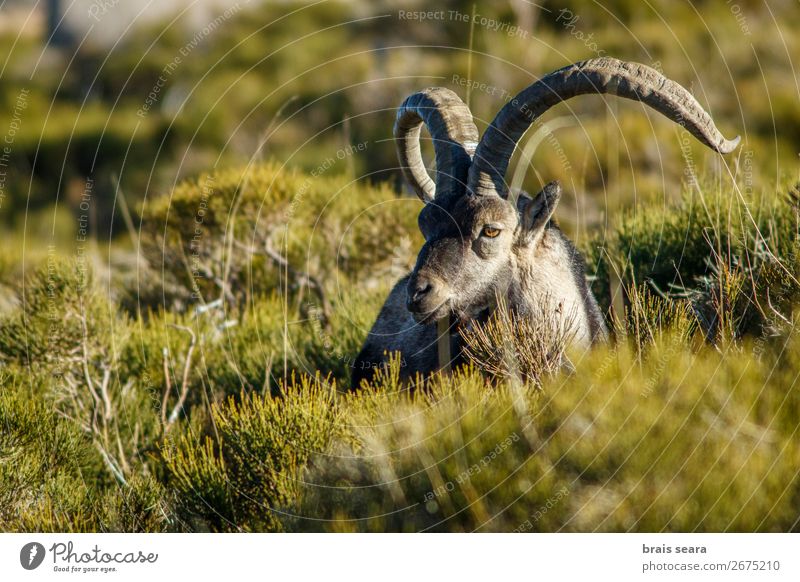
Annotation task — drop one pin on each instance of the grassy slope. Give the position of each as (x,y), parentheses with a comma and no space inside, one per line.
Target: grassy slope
(687,422)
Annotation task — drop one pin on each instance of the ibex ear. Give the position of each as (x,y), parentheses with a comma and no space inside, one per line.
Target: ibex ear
(536,212)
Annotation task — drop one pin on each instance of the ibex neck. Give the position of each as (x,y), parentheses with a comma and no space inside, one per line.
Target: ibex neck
(552,275)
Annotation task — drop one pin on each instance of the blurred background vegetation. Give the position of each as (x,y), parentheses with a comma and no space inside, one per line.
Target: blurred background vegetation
(202,214)
(136,98)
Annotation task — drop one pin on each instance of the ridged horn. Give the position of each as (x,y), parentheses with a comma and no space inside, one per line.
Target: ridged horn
(596,76)
(454,137)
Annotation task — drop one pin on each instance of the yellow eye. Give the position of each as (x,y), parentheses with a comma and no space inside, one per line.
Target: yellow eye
(490,232)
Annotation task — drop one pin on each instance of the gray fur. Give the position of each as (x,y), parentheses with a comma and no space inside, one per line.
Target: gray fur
(529,263)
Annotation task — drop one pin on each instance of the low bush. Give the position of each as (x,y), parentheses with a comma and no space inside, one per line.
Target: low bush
(228,411)
(673,441)
(246,476)
(227,234)
(735,261)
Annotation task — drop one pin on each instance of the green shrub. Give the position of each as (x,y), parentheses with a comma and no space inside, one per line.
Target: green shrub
(624,443)
(724,255)
(67,336)
(61,312)
(209,236)
(140,506)
(247,474)
(44,464)
(231,416)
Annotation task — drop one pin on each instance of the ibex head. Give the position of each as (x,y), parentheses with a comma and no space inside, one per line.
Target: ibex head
(474,235)
(470,252)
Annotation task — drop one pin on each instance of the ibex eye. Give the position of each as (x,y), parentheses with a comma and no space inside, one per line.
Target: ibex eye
(490,232)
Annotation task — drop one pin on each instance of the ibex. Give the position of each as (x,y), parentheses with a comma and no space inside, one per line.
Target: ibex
(478,244)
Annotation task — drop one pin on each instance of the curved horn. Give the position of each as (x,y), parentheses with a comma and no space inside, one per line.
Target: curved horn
(604,75)
(454,136)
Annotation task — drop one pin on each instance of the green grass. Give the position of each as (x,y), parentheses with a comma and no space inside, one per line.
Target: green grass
(675,441)
(178,414)
(180,378)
